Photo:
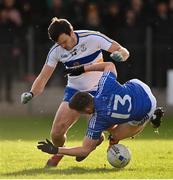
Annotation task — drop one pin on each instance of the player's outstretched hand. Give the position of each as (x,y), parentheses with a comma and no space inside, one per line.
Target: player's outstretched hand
(26,96)
(117,56)
(47,146)
(75,71)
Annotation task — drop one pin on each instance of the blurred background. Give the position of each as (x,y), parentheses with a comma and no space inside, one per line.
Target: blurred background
(145,28)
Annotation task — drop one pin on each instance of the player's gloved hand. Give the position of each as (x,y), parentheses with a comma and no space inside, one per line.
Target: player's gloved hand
(117,56)
(75,71)
(47,146)
(26,96)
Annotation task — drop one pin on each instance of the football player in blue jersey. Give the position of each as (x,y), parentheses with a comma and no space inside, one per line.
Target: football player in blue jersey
(123,110)
(72,48)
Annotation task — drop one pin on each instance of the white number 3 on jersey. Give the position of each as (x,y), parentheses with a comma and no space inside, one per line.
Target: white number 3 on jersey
(122,101)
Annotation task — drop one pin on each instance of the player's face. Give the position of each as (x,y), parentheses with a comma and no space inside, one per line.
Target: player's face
(66,41)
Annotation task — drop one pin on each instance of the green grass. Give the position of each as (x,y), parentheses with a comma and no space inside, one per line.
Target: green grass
(152,153)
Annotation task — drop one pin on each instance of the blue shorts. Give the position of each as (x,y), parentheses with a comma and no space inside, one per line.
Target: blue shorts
(69,92)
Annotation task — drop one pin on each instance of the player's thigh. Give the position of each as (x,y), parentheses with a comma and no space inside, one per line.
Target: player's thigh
(125,130)
(64,118)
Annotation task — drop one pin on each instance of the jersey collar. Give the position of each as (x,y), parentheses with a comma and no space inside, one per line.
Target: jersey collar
(77,38)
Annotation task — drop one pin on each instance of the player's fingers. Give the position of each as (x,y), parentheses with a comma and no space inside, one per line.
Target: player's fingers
(43,150)
(49,142)
(42,142)
(40,147)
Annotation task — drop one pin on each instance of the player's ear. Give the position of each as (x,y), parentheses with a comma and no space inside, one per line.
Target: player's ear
(89,110)
(71,33)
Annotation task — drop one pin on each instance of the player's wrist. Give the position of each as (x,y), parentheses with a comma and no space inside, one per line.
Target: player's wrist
(117,56)
(32,94)
(82,69)
(75,71)
(55,150)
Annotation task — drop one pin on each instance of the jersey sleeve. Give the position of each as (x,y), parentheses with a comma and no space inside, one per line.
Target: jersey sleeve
(103,41)
(94,129)
(52,58)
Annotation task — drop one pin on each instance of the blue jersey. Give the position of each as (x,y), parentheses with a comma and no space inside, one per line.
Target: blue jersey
(115,104)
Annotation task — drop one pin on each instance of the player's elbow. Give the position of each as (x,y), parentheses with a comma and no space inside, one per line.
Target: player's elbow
(110,67)
(126,54)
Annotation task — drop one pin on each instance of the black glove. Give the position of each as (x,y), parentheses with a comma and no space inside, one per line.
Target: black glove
(48,147)
(75,71)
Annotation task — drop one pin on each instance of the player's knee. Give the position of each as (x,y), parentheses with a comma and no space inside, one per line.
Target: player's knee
(116,138)
(58,139)
(59,130)
(58,133)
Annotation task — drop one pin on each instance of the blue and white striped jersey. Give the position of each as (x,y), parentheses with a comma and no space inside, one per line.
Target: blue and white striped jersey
(87,50)
(115,103)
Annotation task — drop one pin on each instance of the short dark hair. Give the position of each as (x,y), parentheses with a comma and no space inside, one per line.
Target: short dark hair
(58,27)
(80,101)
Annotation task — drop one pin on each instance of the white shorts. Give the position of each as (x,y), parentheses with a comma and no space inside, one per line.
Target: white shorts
(153,104)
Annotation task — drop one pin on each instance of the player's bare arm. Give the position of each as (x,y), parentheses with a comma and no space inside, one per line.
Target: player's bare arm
(39,84)
(118,53)
(42,79)
(87,147)
(105,66)
(81,151)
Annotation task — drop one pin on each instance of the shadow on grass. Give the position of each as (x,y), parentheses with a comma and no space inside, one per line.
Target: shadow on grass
(70,171)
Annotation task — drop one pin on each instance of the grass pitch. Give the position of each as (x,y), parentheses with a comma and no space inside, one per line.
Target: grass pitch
(152,153)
